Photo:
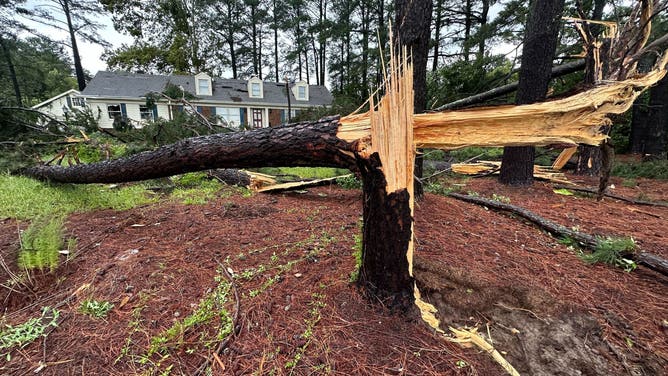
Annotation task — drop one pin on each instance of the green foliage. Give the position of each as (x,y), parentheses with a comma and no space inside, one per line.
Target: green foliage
(20,336)
(195,189)
(349,182)
(657,169)
(611,251)
(465,154)
(40,244)
(43,70)
(357,253)
(163,132)
(463,78)
(95,308)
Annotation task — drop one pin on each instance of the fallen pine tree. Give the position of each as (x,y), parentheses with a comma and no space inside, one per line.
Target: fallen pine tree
(605,246)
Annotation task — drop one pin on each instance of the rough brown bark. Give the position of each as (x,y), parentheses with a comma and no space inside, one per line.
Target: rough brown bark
(301,144)
(387,232)
(540,44)
(413,20)
(649,260)
(650,124)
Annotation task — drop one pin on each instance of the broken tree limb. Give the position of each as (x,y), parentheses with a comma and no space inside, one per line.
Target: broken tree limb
(616,197)
(558,71)
(646,259)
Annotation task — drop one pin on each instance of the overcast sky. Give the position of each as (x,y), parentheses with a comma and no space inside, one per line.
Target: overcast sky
(91,54)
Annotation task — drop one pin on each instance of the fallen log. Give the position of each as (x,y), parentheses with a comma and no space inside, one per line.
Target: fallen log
(616,197)
(590,242)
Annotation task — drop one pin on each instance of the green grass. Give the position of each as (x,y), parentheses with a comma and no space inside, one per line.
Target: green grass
(24,198)
(304,172)
(650,169)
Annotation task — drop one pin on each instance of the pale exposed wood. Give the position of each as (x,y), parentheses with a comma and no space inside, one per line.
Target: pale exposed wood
(568,121)
(563,158)
(298,185)
(493,167)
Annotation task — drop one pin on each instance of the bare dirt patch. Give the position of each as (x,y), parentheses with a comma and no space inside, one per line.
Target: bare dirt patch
(291,257)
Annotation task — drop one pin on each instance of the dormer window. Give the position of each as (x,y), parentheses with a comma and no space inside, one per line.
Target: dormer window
(300,91)
(203,84)
(255,89)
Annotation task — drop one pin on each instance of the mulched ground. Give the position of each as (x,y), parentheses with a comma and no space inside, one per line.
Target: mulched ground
(297,312)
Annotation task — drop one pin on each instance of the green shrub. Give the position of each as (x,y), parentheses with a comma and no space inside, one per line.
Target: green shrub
(41,243)
(22,335)
(650,169)
(349,182)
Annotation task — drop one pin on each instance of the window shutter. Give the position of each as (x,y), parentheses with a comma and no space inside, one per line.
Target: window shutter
(213,111)
(199,109)
(155,112)
(124,110)
(242,112)
(69,102)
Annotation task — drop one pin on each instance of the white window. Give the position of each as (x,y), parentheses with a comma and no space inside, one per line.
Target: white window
(300,91)
(230,115)
(203,86)
(114,111)
(78,102)
(145,113)
(255,89)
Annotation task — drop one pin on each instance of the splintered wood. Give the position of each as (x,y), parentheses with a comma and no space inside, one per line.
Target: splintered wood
(569,121)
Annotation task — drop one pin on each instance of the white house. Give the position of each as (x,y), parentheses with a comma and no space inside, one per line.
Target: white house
(61,104)
(253,103)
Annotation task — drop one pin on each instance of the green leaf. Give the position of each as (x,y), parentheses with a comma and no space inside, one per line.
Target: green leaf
(563,191)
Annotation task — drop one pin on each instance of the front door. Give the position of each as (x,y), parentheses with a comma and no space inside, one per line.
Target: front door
(257,118)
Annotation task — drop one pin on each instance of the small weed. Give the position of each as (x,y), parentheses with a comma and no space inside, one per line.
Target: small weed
(357,254)
(611,251)
(500,198)
(439,189)
(210,308)
(316,303)
(95,308)
(22,335)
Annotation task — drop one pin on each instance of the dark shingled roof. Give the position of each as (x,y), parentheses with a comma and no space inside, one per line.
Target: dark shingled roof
(136,85)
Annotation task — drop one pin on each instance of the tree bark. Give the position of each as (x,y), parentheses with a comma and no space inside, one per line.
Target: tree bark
(301,144)
(387,232)
(413,20)
(650,124)
(78,68)
(540,44)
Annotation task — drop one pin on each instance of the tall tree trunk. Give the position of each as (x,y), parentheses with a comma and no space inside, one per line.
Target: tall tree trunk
(12,72)
(650,124)
(468,24)
(231,44)
(540,44)
(413,20)
(437,33)
(275,27)
(78,68)
(366,24)
(254,38)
